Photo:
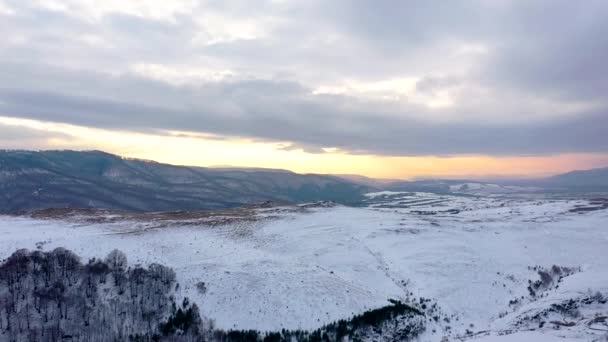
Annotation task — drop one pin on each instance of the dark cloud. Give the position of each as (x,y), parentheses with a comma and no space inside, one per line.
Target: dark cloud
(523,77)
(313,125)
(557,49)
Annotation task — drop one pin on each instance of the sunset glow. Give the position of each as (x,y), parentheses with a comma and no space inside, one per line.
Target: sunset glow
(472,89)
(183,148)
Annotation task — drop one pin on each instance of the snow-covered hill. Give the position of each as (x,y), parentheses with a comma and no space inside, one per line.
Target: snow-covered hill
(479,267)
(486,188)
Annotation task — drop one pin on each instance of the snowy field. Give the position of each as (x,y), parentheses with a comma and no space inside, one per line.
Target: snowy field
(472,258)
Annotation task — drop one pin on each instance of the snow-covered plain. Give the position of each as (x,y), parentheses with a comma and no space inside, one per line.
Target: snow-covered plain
(471,256)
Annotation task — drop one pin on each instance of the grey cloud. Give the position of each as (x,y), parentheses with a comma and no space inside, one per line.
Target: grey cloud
(554,50)
(17,137)
(316,123)
(432,84)
(397,24)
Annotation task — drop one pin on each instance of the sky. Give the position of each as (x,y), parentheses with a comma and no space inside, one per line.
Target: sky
(389,89)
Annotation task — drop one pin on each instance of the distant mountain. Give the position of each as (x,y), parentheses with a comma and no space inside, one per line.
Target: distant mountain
(433,185)
(585,180)
(594,179)
(373,182)
(95,179)
(247,169)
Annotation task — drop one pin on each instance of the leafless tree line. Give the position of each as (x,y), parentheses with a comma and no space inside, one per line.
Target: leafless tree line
(53,296)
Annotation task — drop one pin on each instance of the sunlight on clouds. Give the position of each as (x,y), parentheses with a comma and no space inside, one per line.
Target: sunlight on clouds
(203,149)
(180,75)
(455,100)
(362,76)
(440,99)
(403,90)
(393,90)
(5,9)
(216,28)
(93,10)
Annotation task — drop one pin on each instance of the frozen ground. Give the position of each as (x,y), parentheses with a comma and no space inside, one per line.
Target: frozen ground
(472,258)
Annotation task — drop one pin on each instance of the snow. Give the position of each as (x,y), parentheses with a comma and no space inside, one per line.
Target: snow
(381,193)
(528,336)
(473,186)
(488,188)
(302,270)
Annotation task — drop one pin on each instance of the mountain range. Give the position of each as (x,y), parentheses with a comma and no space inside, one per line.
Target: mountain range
(591,180)
(95,179)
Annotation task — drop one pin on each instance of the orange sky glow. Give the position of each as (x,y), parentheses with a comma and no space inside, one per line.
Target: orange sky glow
(198,150)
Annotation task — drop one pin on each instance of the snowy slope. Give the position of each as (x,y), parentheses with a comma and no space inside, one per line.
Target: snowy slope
(469,256)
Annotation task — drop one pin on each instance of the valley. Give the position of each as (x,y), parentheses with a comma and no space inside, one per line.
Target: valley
(480,267)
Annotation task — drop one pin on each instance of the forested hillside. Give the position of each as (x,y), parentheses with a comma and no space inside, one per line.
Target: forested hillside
(94,179)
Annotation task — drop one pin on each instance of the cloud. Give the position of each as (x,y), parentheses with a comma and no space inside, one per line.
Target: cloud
(387,78)
(5,9)
(18,137)
(305,148)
